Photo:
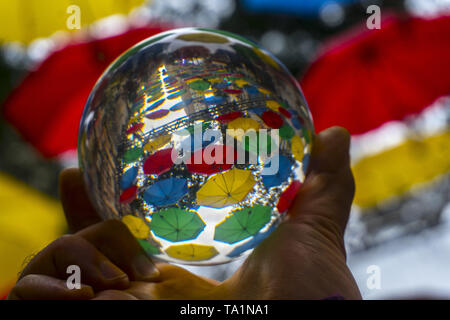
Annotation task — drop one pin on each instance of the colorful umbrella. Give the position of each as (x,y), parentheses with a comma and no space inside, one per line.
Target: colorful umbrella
(157,143)
(272,119)
(159,162)
(242,224)
(175,224)
(29,221)
(288,196)
(192,252)
(364,80)
(46,108)
(394,171)
(222,158)
(243,124)
(166,192)
(225,118)
(137,226)
(297,148)
(224,189)
(252,243)
(281,175)
(25,20)
(128,195)
(129,177)
(290,7)
(149,247)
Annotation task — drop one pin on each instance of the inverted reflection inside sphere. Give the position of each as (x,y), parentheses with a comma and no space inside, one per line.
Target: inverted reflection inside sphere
(198,141)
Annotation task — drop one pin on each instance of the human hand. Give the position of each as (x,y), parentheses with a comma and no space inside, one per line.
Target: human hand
(303,259)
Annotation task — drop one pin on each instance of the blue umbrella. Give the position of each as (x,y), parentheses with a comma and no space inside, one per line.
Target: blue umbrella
(129,178)
(305,162)
(291,7)
(281,175)
(166,192)
(257,238)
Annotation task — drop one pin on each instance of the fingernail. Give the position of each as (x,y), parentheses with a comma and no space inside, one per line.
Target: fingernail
(110,271)
(145,269)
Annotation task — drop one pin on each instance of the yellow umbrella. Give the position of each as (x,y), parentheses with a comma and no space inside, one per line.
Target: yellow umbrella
(192,252)
(157,143)
(29,221)
(394,171)
(25,20)
(297,148)
(243,125)
(224,189)
(137,226)
(272,104)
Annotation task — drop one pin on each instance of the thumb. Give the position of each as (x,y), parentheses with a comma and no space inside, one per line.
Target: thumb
(77,207)
(327,193)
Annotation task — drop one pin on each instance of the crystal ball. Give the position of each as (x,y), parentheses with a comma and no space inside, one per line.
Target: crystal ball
(198,140)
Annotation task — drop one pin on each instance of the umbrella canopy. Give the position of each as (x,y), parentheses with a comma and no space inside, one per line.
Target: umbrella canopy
(129,177)
(128,195)
(282,174)
(297,148)
(223,158)
(252,243)
(396,170)
(192,252)
(25,20)
(242,224)
(290,7)
(364,80)
(166,192)
(224,189)
(29,221)
(159,162)
(157,143)
(175,224)
(272,119)
(244,124)
(148,247)
(288,196)
(138,228)
(46,108)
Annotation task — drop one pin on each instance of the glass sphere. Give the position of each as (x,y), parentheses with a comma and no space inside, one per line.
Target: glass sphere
(198,140)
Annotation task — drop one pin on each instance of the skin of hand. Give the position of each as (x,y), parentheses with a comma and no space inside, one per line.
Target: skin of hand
(304,258)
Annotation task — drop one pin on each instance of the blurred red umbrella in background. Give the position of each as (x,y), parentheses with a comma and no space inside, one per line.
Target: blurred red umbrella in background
(46,108)
(367,78)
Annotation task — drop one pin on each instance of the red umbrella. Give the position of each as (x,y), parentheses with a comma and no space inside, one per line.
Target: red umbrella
(288,196)
(159,162)
(272,119)
(46,108)
(364,80)
(222,152)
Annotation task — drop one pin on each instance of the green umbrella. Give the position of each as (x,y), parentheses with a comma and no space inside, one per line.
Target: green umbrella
(242,224)
(148,247)
(132,155)
(175,224)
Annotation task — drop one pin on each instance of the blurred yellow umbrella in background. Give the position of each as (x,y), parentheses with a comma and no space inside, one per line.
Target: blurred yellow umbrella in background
(29,220)
(26,20)
(395,171)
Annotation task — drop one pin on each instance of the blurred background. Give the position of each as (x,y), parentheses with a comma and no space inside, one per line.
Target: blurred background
(386,80)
